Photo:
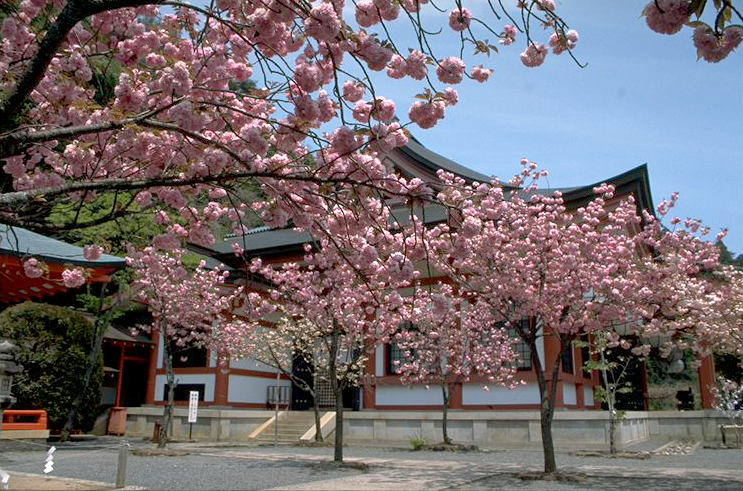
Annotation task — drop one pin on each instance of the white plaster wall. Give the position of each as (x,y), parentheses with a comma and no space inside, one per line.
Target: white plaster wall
(251,364)
(244,388)
(160,348)
(212,358)
(588,396)
(568,394)
(403,396)
(540,347)
(474,394)
(379,361)
(207,379)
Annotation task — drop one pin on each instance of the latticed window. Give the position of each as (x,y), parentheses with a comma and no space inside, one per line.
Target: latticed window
(397,354)
(521,348)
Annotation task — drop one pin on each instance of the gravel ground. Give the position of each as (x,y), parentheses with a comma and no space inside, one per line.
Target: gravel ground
(249,468)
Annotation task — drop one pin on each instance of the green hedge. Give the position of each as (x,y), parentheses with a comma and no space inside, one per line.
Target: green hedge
(53,347)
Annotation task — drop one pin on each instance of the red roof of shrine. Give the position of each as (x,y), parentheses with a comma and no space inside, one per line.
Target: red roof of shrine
(18,244)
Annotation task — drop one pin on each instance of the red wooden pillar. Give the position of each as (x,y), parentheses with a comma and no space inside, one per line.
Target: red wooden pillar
(455,396)
(369,389)
(222,380)
(707,381)
(551,353)
(152,369)
(120,377)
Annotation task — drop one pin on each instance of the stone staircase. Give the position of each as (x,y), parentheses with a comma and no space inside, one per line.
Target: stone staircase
(292,425)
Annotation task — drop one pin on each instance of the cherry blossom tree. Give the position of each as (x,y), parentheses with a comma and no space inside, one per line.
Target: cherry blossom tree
(344,294)
(520,251)
(157,104)
(185,306)
(447,343)
(282,345)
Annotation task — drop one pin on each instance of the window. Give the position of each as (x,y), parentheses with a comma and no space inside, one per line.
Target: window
(5,385)
(397,354)
(567,359)
(521,348)
(183,391)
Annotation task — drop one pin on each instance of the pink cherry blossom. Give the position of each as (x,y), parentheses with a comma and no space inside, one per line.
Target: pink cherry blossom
(459,19)
(73,278)
(33,268)
(450,70)
(481,74)
(666,16)
(534,55)
(92,252)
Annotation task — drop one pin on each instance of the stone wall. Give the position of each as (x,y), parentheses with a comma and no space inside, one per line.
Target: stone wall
(479,427)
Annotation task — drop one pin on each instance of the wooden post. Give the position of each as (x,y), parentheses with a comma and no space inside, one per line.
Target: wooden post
(121,470)
(707,382)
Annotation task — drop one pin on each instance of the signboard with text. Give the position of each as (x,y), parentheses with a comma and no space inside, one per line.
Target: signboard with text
(193,406)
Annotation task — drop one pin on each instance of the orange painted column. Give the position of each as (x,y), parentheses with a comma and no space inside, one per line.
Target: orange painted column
(707,381)
(551,352)
(120,378)
(152,369)
(222,379)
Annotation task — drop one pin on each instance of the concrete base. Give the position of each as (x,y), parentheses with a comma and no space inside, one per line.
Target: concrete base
(478,427)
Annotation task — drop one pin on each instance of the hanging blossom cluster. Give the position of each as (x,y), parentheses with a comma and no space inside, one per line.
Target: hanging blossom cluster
(713,43)
(561,39)
(95,97)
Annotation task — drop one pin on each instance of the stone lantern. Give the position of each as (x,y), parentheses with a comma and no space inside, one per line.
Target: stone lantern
(7,369)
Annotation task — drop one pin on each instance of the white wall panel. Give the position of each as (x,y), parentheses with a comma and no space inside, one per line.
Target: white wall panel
(568,394)
(247,389)
(251,364)
(379,360)
(404,396)
(475,394)
(588,396)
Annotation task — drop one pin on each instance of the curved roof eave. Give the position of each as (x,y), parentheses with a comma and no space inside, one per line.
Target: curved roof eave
(17,241)
(433,161)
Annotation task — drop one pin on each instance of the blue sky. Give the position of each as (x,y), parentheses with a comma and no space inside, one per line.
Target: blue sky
(643,98)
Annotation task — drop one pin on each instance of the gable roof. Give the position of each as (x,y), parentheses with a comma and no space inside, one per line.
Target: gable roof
(414,160)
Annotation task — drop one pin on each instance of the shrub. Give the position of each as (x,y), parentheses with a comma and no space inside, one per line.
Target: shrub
(417,442)
(53,347)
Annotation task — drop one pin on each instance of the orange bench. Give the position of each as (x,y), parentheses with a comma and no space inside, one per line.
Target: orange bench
(24,419)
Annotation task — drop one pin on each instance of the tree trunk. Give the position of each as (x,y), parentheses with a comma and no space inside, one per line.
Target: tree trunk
(445,416)
(318,428)
(547,407)
(168,410)
(338,454)
(337,388)
(95,350)
(610,403)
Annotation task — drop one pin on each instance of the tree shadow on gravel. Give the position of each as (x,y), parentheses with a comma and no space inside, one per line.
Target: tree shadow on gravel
(511,481)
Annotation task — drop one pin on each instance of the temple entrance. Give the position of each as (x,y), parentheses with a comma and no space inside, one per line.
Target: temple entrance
(302,399)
